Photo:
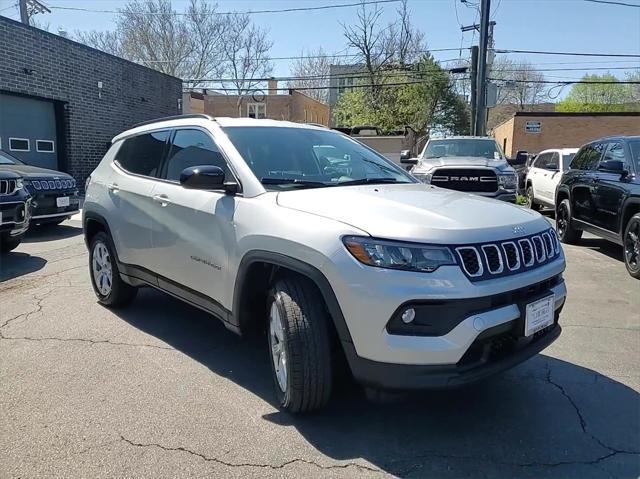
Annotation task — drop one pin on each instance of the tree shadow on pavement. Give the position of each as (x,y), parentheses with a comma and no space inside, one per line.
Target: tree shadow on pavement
(39,234)
(545,418)
(14,264)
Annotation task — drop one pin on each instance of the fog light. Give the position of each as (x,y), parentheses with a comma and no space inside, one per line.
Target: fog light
(408,315)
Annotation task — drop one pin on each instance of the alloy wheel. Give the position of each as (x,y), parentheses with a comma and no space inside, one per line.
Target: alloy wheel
(632,246)
(102,269)
(277,347)
(562,220)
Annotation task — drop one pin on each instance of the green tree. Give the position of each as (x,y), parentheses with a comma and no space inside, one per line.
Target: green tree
(596,96)
(426,102)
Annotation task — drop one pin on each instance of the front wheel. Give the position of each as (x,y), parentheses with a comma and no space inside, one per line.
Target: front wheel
(566,232)
(105,277)
(299,345)
(632,246)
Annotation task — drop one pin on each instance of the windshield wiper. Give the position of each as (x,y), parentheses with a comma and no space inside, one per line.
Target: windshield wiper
(368,181)
(291,181)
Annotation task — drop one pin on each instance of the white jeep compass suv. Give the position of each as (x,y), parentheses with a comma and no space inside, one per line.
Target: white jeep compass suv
(327,246)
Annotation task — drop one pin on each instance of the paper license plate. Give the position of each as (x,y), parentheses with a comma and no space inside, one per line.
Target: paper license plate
(62,201)
(539,315)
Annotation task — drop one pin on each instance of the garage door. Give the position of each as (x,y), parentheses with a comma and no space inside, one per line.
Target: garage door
(28,130)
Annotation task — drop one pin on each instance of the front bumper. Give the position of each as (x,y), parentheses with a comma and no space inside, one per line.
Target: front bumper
(15,217)
(45,206)
(402,377)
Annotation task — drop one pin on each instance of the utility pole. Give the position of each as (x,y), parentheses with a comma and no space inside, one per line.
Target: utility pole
(29,8)
(474,86)
(481,110)
(24,15)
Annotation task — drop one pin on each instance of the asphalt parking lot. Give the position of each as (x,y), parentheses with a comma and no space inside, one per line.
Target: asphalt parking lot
(162,390)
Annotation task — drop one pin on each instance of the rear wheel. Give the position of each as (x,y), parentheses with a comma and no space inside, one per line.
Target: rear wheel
(105,277)
(9,243)
(299,345)
(632,246)
(566,232)
(531,201)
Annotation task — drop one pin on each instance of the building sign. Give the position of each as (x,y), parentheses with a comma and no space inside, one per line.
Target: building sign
(533,126)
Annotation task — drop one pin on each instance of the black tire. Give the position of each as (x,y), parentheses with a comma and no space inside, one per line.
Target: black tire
(119,293)
(566,232)
(8,244)
(531,200)
(631,243)
(306,342)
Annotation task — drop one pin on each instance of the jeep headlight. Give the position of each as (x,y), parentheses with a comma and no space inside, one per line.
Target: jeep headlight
(508,181)
(398,255)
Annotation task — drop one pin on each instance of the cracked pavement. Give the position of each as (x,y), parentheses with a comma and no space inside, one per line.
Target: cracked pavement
(162,390)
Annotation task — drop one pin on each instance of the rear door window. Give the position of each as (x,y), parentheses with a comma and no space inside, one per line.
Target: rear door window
(142,154)
(191,147)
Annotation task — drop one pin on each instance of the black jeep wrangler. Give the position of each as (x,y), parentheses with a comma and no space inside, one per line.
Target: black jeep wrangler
(600,193)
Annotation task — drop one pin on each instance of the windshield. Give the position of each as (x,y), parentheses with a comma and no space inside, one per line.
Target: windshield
(6,159)
(474,147)
(566,161)
(635,153)
(297,157)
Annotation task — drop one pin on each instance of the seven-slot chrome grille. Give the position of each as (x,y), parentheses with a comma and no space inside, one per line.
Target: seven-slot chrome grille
(502,258)
(55,184)
(8,187)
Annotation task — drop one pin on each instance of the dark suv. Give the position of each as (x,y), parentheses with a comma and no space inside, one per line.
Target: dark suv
(15,210)
(600,193)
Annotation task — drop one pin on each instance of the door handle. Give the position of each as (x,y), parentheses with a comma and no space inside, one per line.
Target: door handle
(113,187)
(163,200)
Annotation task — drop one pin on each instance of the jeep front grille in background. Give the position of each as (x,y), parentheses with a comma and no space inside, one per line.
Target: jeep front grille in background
(490,260)
(483,180)
(8,187)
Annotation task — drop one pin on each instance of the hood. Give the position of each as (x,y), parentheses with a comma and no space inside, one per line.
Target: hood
(417,212)
(35,172)
(462,161)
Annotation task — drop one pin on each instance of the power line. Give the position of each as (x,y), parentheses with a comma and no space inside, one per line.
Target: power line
(324,87)
(569,82)
(577,54)
(611,2)
(249,12)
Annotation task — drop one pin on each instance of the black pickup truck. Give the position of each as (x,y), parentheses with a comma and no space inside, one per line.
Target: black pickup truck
(600,193)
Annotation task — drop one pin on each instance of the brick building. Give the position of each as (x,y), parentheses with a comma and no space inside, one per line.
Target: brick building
(537,131)
(61,102)
(291,106)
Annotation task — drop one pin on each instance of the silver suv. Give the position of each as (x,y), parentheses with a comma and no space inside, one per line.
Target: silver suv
(472,164)
(341,257)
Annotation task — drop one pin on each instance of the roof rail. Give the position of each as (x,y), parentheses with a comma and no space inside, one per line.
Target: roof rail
(174,117)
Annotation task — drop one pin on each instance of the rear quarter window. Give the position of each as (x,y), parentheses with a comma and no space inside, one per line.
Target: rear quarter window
(142,154)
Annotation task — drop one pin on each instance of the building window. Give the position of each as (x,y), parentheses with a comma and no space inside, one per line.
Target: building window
(19,144)
(257,110)
(44,146)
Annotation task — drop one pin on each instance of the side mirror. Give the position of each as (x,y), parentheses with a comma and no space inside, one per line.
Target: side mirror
(613,166)
(552,167)
(206,177)
(405,154)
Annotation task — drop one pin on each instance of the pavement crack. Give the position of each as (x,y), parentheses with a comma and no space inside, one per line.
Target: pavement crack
(39,299)
(250,464)
(91,342)
(583,422)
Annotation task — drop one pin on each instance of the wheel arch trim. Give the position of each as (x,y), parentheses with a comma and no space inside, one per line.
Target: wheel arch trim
(300,267)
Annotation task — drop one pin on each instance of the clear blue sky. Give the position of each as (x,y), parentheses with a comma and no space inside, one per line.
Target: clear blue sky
(568,25)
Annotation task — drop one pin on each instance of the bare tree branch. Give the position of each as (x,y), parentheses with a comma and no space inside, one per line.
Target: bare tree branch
(314,66)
